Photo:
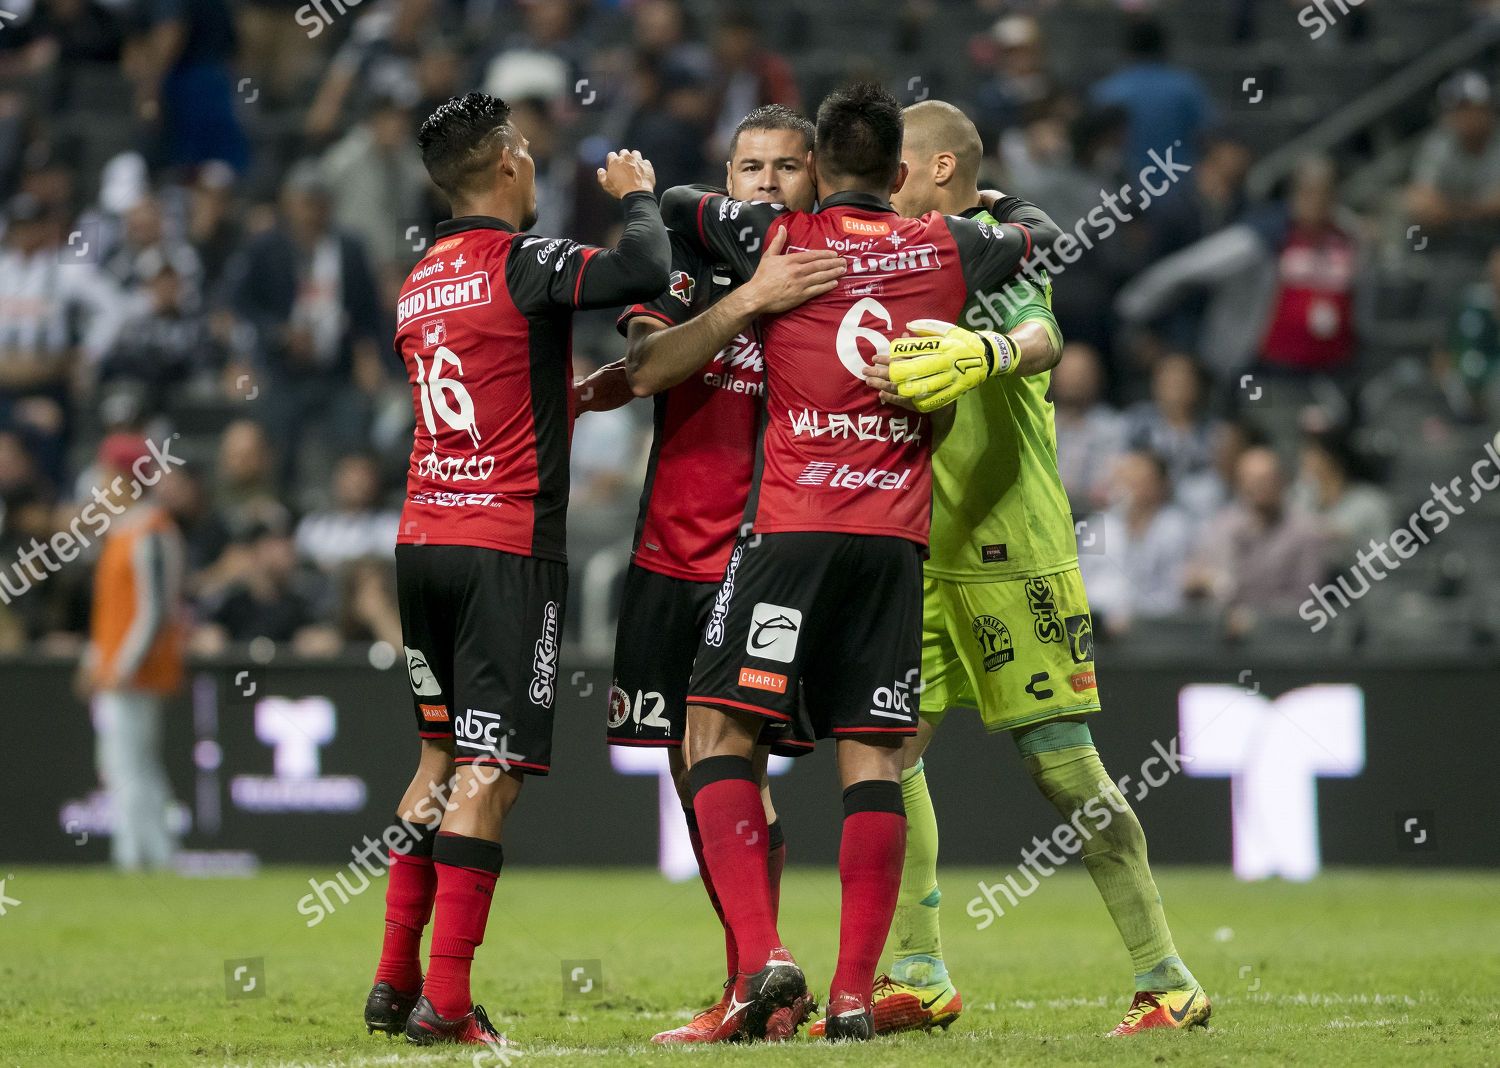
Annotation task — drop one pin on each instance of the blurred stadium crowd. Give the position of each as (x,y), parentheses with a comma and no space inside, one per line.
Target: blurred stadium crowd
(209,206)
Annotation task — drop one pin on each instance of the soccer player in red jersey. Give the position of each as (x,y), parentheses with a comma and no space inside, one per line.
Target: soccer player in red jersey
(695,349)
(824,599)
(483,325)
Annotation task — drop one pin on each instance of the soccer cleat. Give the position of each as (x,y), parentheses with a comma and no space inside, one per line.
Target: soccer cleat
(424,1027)
(1165,1008)
(784,1023)
(700,1028)
(903,1007)
(386,1009)
(849,1019)
(753,999)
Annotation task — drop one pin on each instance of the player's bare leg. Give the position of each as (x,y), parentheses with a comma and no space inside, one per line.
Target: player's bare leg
(467,857)
(870,855)
(410,891)
(732,818)
(704,1023)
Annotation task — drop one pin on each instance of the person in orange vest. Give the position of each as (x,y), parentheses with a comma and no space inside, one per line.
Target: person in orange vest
(135,655)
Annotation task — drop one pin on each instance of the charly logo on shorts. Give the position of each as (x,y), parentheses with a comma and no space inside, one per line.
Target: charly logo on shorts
(544,660)
(1043,605)
(994,642)
(423,682)
(1080,630)
(713,634)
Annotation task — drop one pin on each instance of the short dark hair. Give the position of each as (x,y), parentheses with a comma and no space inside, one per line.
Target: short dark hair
(859,134)
(461,139)
(774,117)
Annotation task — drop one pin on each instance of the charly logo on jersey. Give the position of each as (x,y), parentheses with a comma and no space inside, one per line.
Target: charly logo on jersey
(1042,603)
(852,224)
(440,295)
(681,286)
(423,682)
(994,642)
(544,659)
(842,476)
(773,632)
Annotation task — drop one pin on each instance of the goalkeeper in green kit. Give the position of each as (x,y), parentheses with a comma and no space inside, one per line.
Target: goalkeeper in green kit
(1006,623)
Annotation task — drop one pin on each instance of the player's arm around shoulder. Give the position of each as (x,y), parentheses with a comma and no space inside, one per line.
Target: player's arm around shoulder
(658,356)
(736,231)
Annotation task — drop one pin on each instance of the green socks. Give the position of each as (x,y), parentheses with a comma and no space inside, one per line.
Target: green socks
(918,943)
(1064,764)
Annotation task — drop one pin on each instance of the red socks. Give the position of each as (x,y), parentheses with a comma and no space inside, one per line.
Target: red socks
(727,804)
(775,861)
(408,907)
(731,951)
(467,869)
(870,858)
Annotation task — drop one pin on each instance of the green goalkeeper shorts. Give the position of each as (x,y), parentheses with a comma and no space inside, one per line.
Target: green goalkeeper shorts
(1020,650)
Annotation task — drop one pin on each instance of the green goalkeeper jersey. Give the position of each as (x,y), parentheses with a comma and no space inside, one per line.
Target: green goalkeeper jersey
(999,510)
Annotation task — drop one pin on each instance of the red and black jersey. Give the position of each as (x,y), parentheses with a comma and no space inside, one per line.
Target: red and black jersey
(484,327)
(703,449)
(834,457)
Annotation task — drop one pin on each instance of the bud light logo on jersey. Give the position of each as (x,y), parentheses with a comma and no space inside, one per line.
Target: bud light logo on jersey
(444,295)
(544,662)
(916,258)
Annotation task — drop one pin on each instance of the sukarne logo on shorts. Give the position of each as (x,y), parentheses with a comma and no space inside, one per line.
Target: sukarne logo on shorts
(713,634)
(544,659)
(820,473)
(773,632)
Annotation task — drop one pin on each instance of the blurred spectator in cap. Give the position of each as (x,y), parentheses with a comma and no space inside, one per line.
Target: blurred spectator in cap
(58,315)
(1166,103)
(1467,365)
(355,525)
(747,74)
(382,188)
(1258,556)
(1455,181)
(1348,511)
(167,342)
(185,82)
(135,655)
(1015,49)
(306,291)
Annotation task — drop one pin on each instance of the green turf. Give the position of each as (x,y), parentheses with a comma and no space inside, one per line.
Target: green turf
(1356,968)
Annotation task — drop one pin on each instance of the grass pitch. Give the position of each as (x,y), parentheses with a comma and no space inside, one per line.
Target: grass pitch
(1357,968)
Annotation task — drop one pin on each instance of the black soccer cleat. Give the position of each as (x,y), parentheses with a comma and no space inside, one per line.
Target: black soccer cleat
(754,999)
(849,1019)
(386,1009)
(424,1027)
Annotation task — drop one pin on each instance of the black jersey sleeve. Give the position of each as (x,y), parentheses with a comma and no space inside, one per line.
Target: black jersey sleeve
(991,254)
(732,230)
(688,292)
(556,272)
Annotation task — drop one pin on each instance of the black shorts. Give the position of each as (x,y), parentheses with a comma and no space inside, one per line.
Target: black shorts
(834,618)
(661,624)
(482,630)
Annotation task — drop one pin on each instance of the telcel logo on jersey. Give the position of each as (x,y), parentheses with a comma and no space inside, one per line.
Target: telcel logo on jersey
(544,661)
(845,477)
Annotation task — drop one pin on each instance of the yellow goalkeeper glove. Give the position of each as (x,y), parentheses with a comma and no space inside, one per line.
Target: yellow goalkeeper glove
(944,361)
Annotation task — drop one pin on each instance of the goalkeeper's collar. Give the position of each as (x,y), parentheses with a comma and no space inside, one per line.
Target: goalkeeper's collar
(850,198)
